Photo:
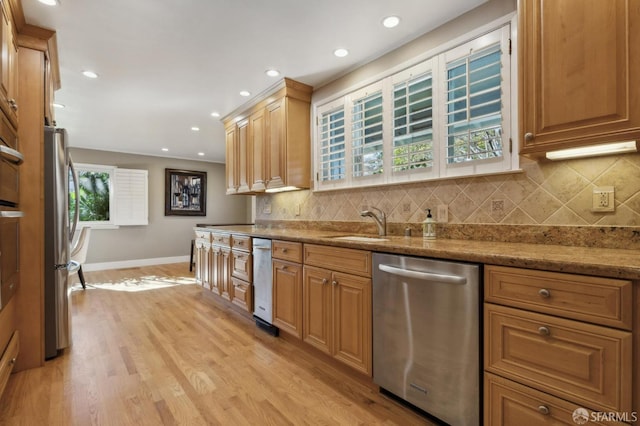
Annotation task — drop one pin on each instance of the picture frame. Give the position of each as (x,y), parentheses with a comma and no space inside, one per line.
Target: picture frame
(185,193)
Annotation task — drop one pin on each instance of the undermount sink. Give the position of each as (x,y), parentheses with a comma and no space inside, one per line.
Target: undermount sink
(360,239)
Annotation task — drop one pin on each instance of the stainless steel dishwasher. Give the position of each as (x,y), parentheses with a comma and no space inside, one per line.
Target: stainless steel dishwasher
(263,285)
(426,334)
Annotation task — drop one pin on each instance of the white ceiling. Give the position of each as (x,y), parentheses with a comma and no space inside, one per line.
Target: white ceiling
(165,65)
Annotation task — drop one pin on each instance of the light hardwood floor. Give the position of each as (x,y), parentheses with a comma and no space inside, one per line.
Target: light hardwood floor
(171,356)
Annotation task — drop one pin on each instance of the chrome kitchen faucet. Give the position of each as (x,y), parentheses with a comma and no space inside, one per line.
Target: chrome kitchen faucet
(381,220)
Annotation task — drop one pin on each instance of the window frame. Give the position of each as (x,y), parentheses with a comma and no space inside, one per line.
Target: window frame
(435,61)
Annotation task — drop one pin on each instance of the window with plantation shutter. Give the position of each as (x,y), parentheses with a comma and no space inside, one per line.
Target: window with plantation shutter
(413,124)
(366,141)
(448,115)
(332,164)
(474,106)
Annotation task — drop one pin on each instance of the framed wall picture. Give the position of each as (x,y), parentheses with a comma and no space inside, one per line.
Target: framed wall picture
(185,193)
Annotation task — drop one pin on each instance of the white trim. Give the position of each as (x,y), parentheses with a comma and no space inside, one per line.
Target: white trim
(89,267)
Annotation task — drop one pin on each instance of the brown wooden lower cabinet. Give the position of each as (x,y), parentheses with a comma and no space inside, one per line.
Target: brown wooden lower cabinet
(508,403)
(8,359)
(287,297)
(337,316)
(242,294)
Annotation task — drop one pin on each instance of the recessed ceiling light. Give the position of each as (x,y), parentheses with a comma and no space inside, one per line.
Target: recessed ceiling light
(391,21)
(201,154)
(195,129)
(341,53)
(89,74)
(272,73)
(50,2)
(58,105)
(165,149)
(215,114)
(245,93)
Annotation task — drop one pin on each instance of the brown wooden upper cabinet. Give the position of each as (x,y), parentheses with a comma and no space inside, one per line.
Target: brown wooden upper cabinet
(8,66)
(579,68)
(268,144)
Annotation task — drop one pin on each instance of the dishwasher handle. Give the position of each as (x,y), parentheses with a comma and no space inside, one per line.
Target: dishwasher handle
(424,276)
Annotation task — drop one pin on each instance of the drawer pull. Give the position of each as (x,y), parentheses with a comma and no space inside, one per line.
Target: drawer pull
(284,250)
(543,409)
(543,292)
(324,281)
(544,331)
(334,282)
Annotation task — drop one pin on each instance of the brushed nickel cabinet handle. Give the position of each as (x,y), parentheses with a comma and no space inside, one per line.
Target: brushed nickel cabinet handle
(544,331)
(528,137)
(324,281)
(543,292)
(334,282)
(543,409)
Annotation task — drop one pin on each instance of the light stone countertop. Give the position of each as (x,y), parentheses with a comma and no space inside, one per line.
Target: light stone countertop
(605,262)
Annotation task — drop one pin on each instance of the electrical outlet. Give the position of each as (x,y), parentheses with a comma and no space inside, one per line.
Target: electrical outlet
(603,199)
(442,213)
(296,210)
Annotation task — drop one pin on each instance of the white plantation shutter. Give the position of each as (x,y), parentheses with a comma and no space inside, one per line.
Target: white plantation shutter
(366,140)
(332,145)
(413,123)
(131,197)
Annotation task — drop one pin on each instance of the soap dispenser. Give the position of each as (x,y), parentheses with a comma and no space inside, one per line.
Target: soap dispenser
(429,227)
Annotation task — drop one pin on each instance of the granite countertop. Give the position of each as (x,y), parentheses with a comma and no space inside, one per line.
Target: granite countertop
(606,262)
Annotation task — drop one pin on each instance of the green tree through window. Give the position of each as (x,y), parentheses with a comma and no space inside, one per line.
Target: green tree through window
(93,191)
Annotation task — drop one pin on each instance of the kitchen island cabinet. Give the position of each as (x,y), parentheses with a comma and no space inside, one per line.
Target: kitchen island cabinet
(579,65)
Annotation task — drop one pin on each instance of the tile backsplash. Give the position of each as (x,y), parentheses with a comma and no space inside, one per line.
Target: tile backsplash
(544,193)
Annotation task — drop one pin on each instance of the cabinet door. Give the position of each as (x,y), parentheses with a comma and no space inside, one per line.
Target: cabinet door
(242,163)
(584,363)
(317,322)
(224,283)
(215,270)
(287,297)
(509,403)
(231,159)
(9,63)
(275,144)
(580,61)
(242,294)
(257,151)
(352,321)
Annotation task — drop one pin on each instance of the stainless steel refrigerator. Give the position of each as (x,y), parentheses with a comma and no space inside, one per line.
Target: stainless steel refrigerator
(60,182)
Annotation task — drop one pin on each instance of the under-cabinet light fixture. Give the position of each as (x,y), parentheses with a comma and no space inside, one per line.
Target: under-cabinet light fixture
(593,150)
(282,189)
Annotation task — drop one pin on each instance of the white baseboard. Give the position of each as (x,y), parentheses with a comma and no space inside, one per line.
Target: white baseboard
(88,267)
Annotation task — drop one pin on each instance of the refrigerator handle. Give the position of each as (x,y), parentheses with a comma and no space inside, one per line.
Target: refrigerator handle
(77,200)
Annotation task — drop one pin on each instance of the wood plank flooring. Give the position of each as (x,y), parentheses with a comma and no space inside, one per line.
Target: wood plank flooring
(172,357)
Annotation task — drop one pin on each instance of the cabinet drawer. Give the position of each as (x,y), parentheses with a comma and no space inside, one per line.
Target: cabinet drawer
(351,261)
(587,364)
(593,299)
(8,360)
(509,403)
(221,239)
(242,265)
(203,234)
(242,294)
(241,242)
(286,250)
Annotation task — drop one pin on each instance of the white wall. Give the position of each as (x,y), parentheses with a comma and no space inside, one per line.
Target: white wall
(166,237)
